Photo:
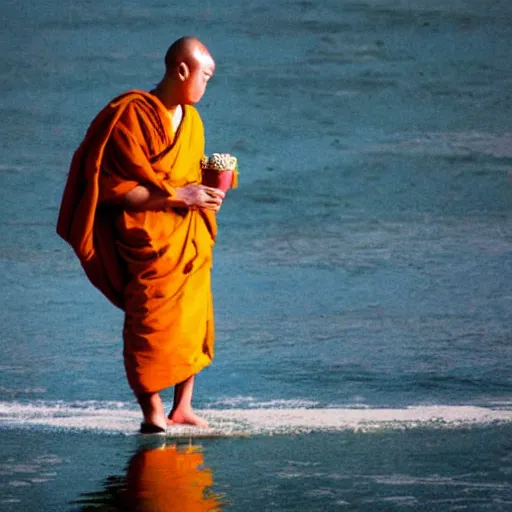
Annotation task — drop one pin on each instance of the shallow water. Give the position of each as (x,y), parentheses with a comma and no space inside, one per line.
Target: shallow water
(361,270)
(451,469)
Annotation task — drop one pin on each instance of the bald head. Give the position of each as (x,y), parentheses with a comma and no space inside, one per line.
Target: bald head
(187,49)
(188,67)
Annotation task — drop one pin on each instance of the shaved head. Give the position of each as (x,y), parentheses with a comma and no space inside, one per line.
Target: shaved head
(187,49)
(188,67)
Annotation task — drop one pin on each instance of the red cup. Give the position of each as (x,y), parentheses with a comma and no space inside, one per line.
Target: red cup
(216,178)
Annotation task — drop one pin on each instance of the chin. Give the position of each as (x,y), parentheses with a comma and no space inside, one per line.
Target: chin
(194,99)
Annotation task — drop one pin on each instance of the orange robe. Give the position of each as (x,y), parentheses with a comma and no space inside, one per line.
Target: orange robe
(155,265)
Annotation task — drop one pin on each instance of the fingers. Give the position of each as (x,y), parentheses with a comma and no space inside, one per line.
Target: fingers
(214,192)
(213,199)
(202,196)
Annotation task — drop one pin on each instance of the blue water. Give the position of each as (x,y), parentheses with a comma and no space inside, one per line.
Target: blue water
(363,266)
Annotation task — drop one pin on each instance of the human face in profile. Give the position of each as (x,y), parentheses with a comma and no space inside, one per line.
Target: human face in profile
(200,71)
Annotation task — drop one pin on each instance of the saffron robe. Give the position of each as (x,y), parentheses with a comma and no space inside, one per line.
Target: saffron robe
(155,265)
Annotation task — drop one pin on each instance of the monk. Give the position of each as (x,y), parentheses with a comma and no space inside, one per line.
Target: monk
(143,227)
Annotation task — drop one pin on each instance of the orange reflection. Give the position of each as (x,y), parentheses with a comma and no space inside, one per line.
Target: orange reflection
(170,478)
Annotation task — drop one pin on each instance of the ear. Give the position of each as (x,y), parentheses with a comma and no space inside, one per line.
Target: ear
(183,71)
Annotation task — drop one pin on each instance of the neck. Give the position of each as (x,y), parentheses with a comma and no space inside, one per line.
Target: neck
(166,96)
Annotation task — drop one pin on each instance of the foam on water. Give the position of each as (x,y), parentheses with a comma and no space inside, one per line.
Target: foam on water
(121,418)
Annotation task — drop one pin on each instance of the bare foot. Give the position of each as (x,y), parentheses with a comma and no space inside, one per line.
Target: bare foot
(188,417)
(152,410)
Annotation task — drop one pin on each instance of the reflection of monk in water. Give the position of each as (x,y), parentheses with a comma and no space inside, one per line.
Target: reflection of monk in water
(170,479)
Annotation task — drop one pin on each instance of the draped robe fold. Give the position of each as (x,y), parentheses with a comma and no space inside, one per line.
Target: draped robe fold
(155,265)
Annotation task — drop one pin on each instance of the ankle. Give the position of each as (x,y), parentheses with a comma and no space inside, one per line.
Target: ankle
(152,409)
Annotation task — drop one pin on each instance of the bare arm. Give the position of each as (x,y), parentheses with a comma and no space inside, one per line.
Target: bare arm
(142,198)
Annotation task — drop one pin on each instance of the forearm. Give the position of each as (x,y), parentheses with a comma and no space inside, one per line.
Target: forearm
(142,198)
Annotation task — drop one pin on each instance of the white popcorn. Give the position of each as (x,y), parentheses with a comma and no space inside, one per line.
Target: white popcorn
(220,161)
